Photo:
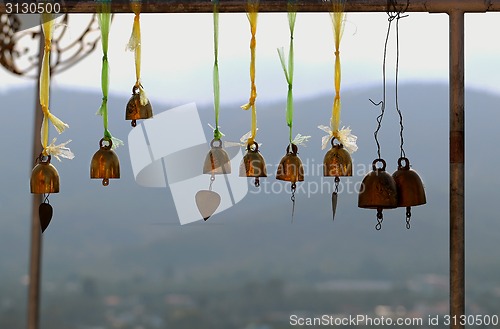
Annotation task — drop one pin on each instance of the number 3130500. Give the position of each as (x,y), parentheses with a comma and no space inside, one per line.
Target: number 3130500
(32,8)
(471,320)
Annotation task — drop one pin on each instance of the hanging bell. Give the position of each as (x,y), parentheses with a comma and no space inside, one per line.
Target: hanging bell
(44,177)
(135,110)
(290,168)
(337,161)
(253,164)
(378,191)
(105,163)
(410,187)
(217,160)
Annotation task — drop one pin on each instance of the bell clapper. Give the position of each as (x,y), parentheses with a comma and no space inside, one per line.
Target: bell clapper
(334,196)
(294,188)
(212,180)
(380,219)
(408,217)
(133,123)
(257,182)
(105,182)
(45,212)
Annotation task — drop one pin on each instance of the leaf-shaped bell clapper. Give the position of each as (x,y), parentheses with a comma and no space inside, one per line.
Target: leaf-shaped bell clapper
(217,160)
(378,191)
(105,164)
(135,110)
(44,177)
(290,168)
(253,164)
(337,161)
(410,187)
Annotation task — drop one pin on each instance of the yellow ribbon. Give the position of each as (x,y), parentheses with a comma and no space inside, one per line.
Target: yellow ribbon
(134,45)
(337,16)
(47,28)
(253,7)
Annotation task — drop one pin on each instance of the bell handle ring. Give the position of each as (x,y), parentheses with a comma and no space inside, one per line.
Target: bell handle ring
(41,158)
(136,89)
(295,149)
(254,147)
(105,147)
(213,142)
(339,145)
(406,161)
(374,165)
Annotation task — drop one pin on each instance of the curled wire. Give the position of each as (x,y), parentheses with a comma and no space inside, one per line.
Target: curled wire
(393,14)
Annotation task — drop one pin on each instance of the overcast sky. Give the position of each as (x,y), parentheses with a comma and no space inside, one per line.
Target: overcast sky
(177,54)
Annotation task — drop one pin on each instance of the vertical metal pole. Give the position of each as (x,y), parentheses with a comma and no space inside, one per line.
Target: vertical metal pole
(457,173)
(36,232)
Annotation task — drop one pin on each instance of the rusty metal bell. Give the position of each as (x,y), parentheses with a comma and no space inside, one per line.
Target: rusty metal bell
(337,161)
(135,110)
(253,163)
(378,189)
(44,178)
(105,163)
(217,160)
(409,185)
(290,168)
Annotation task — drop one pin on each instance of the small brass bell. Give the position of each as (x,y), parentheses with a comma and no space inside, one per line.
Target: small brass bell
(135,110)
(337,161)
(105,163)
(410,187)
(253,164)
(378,191)
(290,168)
(217,160)
(44,177)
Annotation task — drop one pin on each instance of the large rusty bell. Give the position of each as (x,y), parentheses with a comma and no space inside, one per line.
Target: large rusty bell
(105,163)
(217,160)
(135,110)
(410,187)
(253,164)
(290,168)
(378,191)
(44,177)
(337,161)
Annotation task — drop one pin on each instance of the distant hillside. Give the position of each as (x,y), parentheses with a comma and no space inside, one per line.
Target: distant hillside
(125,230)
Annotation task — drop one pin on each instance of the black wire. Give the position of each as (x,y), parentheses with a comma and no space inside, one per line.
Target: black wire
(398,17)
(393,14)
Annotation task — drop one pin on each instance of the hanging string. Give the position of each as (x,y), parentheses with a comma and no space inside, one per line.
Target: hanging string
(344,135)
(392,15)
(52,149)
(292,14)
(104,20)
(252,14)
(216,82)
(134,45)
(337,16)
(398,17)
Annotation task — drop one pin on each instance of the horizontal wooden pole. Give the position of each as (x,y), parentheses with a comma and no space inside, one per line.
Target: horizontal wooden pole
(235,6)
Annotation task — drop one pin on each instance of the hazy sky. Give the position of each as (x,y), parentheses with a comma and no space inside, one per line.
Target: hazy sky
(177,54)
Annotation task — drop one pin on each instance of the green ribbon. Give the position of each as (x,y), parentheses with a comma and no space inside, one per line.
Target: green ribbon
(216,81)
(292,14)
(104,19)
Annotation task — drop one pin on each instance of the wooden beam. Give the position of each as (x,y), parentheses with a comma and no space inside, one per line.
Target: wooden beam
(235,6)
